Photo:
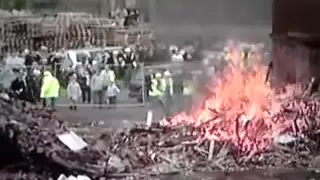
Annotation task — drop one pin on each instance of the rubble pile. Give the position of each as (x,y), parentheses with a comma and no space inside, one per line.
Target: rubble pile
(32,132)
(32,150)
(159,149)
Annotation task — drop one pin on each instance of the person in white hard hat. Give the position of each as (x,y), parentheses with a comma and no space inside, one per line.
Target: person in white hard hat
(173,49)
(112,60)
(167,89)
(177,56)
(129,55)
(130,61)
(155,91)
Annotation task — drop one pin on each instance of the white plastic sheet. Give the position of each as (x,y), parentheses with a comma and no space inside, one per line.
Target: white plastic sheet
(72,141)
(71,177)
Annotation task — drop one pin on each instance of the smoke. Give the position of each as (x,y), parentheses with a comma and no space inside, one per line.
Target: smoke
(212,19)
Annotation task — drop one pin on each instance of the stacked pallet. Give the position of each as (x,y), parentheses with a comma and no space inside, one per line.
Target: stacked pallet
(98,36)
(129,37)
(68,30)
(18,33)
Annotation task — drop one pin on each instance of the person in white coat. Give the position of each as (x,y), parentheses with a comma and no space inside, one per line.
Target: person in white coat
(74,92)
(97,85)
(112,92)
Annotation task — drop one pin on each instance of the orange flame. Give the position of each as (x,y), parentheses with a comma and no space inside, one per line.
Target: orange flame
(239,110)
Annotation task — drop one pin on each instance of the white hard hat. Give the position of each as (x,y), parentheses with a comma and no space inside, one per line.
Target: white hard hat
(43,48)
(158,75)
(173,47)
(127,50)
(182,51)
(167,73)
(47,73)
(36,72)
(26,51)
(115,52)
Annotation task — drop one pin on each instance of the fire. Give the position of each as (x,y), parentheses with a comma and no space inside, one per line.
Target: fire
(239,110)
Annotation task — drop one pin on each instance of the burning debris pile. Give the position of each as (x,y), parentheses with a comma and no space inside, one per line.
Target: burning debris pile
(243,124)
(242,109)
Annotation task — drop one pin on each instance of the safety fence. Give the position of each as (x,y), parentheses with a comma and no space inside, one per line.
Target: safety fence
(37,70)
(187,78)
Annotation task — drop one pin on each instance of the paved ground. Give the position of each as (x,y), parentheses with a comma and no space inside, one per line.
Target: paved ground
(119,116)
(112,117)
(123,99)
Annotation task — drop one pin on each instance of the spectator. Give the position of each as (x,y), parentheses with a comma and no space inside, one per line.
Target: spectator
(49,89)
(84,81)
(109,75)
(148,80)
(113,58)
(29,59)
(33,88)
(97,86)
(19,88)
(112,92)
(121,68)
(74,92)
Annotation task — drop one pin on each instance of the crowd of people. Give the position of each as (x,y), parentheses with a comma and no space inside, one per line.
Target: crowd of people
(93,79)
(88,81)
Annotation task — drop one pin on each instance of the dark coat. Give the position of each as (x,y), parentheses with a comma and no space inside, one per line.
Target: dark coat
(19,89)
(33,88)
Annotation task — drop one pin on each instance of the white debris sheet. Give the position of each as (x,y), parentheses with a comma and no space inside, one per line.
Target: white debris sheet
(71,177)
(72,141)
